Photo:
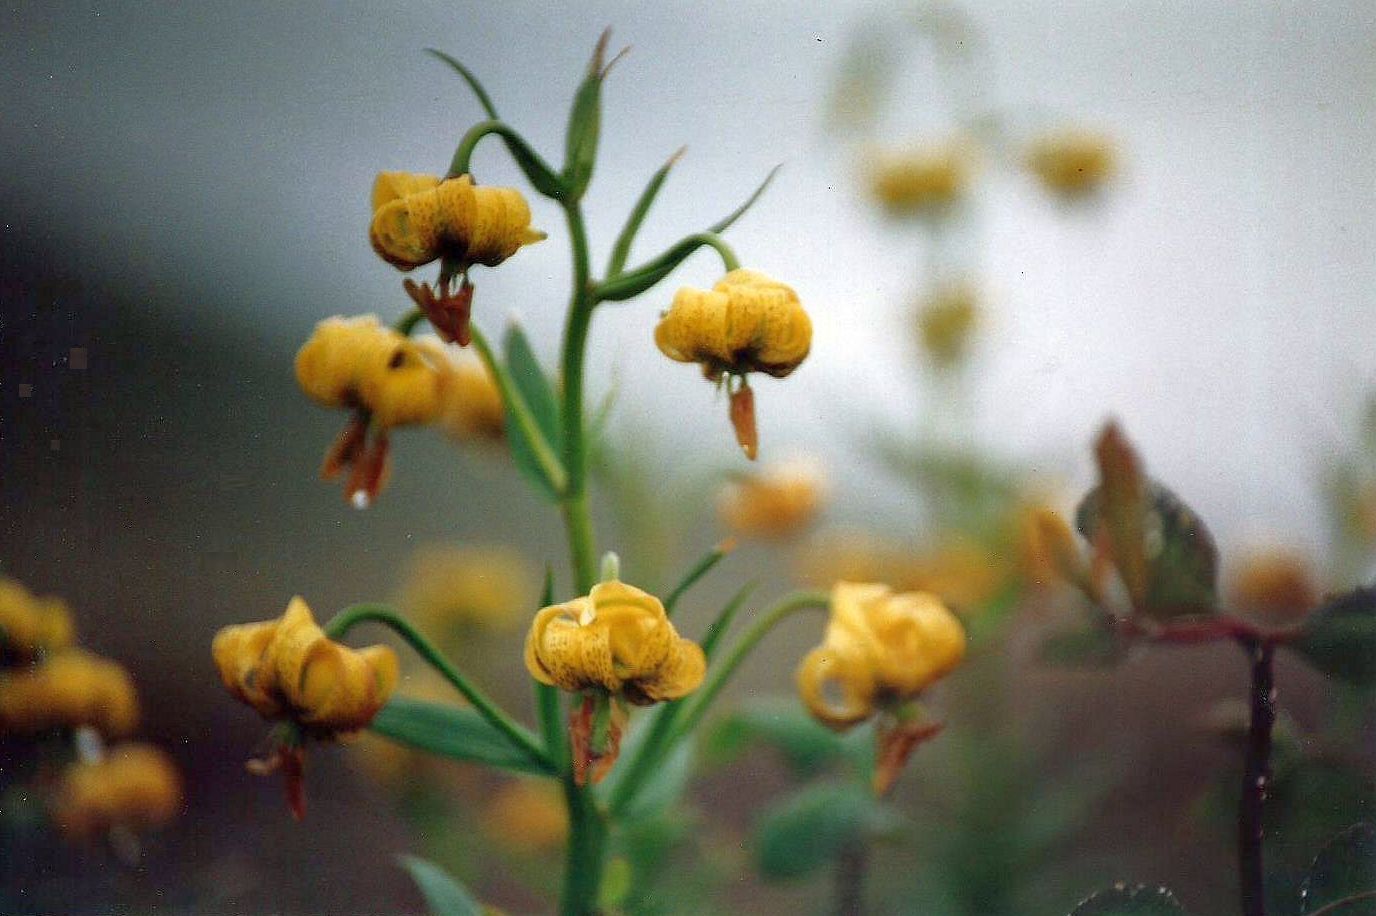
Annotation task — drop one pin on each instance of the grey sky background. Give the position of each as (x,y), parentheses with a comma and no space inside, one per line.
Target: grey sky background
(1220,301)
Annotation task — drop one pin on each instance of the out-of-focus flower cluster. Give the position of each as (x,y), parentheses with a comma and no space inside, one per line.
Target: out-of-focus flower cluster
(59,700)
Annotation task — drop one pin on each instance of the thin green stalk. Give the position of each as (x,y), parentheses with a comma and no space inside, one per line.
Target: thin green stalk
(463,154)
(701,568)
(525,419)
(721,674)
(406,324)
(652,751)
(347,619)
(582,545)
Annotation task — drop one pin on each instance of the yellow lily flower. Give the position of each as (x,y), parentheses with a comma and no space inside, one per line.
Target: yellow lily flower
(1073,163)
(420,218)
(135,786)
(922,181)
(30,625)
(69,689)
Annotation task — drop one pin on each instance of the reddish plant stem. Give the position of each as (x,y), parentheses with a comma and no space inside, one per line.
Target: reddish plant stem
(1256,777)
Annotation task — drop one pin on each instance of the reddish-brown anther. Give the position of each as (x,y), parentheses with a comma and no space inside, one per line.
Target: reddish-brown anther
(743,420)
(448,313)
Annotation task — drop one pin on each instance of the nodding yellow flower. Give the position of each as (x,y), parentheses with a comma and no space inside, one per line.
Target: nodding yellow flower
(1073,163)
(746,323)
(289,669)
(463,588)
(420,218)
(386,379)
(528,816)
(473,406)
(30,625)
(1274,585)
(617,639)
(69,689)
(880,649)
(923,181)
(781,501)
(946,321)
(135,786)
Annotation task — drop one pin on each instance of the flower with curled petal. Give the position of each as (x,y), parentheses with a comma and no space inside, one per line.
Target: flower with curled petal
(880,651)
(290,671)
(615,644)
(385,378)
(746,323)
(421,218)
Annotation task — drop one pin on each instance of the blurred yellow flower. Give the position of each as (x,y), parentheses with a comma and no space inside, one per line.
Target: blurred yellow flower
(135,786)
(71,688)
(452,588)
(1073,163)
(946,322)
(386,379)
(360,364)
(1049,552)
(527,816)
(746,323)
(1274,585)
(30,625)
(616,639)
(473,406)
(880,649)
(419,218)
(288,669)
(959,570)
(774,504)
(922,181)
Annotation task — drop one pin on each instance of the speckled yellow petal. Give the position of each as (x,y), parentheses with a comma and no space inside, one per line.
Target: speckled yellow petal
(239,653)
(681,672)
(390,186)
(402,382)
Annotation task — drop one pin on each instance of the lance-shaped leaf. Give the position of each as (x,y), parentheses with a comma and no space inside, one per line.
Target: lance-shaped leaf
(1130,900)
(642,277)
(585,122)
(1342,880)
(1163,552)
(622,249)
(535,389)
(484,99)
(444,895)
(454,732)
(1340,637)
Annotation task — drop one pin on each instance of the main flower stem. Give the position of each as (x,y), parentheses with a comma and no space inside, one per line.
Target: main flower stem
(587,823)
(347,619)
(1255,778)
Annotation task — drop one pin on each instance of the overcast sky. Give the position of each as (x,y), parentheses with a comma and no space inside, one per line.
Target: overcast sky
(1220,301)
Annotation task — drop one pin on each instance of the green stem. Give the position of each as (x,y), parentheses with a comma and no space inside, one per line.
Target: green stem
(651,752)
(350,617)
(587,848)
(520,410)
(406,324)
(721,674)
(525,155)
(582,544)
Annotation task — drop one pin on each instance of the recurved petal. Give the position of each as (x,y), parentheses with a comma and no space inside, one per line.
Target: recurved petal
(406,232)
(240,656)
(680,674)
(837,686)
(921,642)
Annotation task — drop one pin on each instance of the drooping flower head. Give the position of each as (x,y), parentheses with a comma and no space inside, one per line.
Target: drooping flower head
(923,181)
(385,378)
(613,645)
(290,671)
(134,786)
(1073,163)
(777,503)
(880,651)
(70,689)
(746,323)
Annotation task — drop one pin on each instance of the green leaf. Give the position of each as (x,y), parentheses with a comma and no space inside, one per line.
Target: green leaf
(727,221)
(719,627)
(699,569)
(585,123)
(809,829)
(1340,637)
(534,387)
(483,98)
(807,746)
(622,249)
(667,782)
(443,895)
(1130,900)
(1082,647)
(1342,880)
(1180,560)
(455,732)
